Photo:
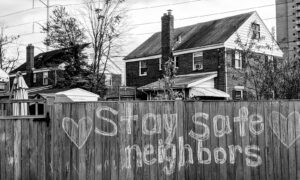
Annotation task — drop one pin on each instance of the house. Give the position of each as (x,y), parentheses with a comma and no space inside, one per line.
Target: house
(205,55)
(42,72)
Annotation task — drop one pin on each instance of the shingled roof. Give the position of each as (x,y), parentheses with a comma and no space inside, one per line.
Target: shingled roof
(48,59)
(193,36)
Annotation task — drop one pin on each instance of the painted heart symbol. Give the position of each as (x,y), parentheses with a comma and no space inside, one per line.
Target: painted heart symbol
(78,132)
(287,129)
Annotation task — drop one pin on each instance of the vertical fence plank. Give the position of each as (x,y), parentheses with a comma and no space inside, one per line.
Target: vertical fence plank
(25,149)
(276,127)
(292,135)
(90,143)
(17,149)
(33,149)
(66,159)
(9,147)
(284,132)
(238,142)
(191,109)
(269,159)
(230,141)
(260,129)
(297,143)
(41,150)
(2,149)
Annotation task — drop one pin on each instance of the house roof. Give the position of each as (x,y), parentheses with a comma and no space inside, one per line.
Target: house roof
(193,36)
(184,81)
(48,59)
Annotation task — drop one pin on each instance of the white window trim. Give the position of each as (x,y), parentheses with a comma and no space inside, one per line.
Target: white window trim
(194,68)
(240,59)
(140,69)
(175,62)
(159,64)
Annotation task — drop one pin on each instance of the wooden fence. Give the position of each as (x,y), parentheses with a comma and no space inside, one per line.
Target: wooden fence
(176,140)
(24,142)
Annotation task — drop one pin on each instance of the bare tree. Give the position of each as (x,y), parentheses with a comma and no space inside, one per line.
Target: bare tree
(105,26)
(7,62)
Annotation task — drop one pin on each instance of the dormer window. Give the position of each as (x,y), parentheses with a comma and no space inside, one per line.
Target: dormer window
(255,31)
(198,60)
(143,68)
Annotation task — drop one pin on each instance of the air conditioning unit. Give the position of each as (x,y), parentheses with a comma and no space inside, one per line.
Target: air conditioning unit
(198,66)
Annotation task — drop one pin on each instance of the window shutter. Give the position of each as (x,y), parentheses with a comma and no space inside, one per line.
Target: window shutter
(233,58)
(245,95)
(243,60)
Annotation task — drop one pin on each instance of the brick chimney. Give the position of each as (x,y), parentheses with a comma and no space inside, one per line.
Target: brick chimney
(167,31)
(29,57)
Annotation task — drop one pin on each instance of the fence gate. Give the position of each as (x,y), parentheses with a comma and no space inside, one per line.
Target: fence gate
(24,140)
(173,140)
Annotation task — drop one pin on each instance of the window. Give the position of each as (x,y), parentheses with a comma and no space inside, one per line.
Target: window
(238,94)
(2,86)
(143,68)
(45,78)
(108,79)
(198,60)
(255,31)
(159,64)
(238,60)
(34,78)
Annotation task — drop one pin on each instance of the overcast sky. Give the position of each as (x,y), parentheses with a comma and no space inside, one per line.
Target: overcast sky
(18,15)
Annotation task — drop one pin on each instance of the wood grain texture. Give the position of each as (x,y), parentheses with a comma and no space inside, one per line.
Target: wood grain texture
(155,140)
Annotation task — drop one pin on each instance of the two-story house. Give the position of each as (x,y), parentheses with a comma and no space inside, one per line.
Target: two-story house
(204,53)
(42,72)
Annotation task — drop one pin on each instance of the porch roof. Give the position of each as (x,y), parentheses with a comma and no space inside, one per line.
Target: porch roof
(180,82)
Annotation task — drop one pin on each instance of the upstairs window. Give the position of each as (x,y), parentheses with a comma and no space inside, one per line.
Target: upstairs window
(108,80)
(255,31)
(143,68)
(45,78)
(198,61)
(238,60)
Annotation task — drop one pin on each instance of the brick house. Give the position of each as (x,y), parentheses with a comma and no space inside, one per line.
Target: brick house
(204,53)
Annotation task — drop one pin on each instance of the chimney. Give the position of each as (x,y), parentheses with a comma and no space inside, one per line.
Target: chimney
(29,57)
(167,31)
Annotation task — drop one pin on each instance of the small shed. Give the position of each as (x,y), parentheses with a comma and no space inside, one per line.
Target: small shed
(75,95)
(65,95)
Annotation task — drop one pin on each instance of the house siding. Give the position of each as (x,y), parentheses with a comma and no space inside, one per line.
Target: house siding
(132,73)
(266,37)
(214,60)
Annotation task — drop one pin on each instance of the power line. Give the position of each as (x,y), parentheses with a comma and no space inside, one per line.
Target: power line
(142,8)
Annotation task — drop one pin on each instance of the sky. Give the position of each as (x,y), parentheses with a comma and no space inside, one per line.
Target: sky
(22,17)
